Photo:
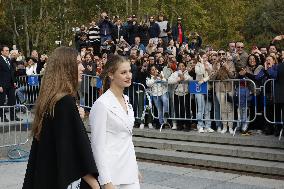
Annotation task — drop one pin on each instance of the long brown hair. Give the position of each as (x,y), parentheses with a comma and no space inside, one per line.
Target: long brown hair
(60,79)
(110,67)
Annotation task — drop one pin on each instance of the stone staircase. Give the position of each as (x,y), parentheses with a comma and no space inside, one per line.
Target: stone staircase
(254,154)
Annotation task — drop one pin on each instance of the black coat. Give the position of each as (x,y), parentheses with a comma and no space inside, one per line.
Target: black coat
(7,75)
(279,84)
(63,154)
(121,31)
(143,34)
(132,30)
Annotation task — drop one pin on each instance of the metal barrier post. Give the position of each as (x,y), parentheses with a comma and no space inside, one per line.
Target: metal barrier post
(14,133)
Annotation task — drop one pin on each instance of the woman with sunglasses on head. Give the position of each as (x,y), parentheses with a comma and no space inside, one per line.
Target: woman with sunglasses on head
(224,70)
(61,153)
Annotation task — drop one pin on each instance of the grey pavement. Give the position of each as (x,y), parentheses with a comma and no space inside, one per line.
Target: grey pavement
(158,176)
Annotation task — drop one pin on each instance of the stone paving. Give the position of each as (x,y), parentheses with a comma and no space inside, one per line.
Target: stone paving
(158,176)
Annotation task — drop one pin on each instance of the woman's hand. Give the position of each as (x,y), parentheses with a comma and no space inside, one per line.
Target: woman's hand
(242,72)
(81,112)
(93,183)
(109,186)
(96,186)
(90,68)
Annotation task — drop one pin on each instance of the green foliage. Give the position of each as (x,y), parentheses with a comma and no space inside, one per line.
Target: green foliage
(218,22)
(264,22)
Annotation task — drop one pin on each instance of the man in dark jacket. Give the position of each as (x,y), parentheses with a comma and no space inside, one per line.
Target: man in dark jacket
(154,30)
(178,32)
(118,31)
(132,29)
(106,27)
(7,85)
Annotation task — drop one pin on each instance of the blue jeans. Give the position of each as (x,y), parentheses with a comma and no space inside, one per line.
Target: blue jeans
(217,115)
(20,94)
(244,117)
(162,105)
(203,111)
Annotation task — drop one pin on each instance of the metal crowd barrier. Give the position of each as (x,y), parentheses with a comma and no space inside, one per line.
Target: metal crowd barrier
(90,90)
(138,99)
(273,113)
(222,101)
(28,89)
(228,101)
(14,133)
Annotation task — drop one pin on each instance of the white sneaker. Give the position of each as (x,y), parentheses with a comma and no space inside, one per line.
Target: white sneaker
(141,126)
(201,130)
(219,130)
(231,131)
(174,126)
(209,130)
(150,126)
(224,131)
(245,127)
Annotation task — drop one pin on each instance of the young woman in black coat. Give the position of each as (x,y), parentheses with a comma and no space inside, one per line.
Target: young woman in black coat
(61,153)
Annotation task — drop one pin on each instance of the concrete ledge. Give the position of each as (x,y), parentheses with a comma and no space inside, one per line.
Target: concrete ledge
(193,136)
(215,149)
(230,163)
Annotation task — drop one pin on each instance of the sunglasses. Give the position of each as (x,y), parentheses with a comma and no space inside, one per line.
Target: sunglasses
(221,54)
(240,47)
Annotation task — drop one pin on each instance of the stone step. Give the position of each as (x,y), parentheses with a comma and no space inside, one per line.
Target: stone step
(214,149)
(254,140)
(221,162)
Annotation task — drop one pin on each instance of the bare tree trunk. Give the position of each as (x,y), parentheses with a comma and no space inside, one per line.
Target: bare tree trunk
(64,23)
(14,19)
(40,25)
(138,7)
(126,7)
(26,31)
(130,6)
(174,8)
(159,5)
(14,38)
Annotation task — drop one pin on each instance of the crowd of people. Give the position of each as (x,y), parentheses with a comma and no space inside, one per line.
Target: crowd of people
(164,58)
(160,52)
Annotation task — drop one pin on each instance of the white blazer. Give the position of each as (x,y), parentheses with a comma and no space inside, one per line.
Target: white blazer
(111,140)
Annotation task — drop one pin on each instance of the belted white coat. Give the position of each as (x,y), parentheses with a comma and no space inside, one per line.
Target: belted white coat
(111,140)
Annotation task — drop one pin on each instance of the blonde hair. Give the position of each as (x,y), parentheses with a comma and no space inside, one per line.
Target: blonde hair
(60,79)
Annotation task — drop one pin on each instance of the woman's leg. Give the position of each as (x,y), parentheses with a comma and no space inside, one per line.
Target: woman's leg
(200,110)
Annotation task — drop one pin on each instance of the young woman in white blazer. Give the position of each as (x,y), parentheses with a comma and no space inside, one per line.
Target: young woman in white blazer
(112,121)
